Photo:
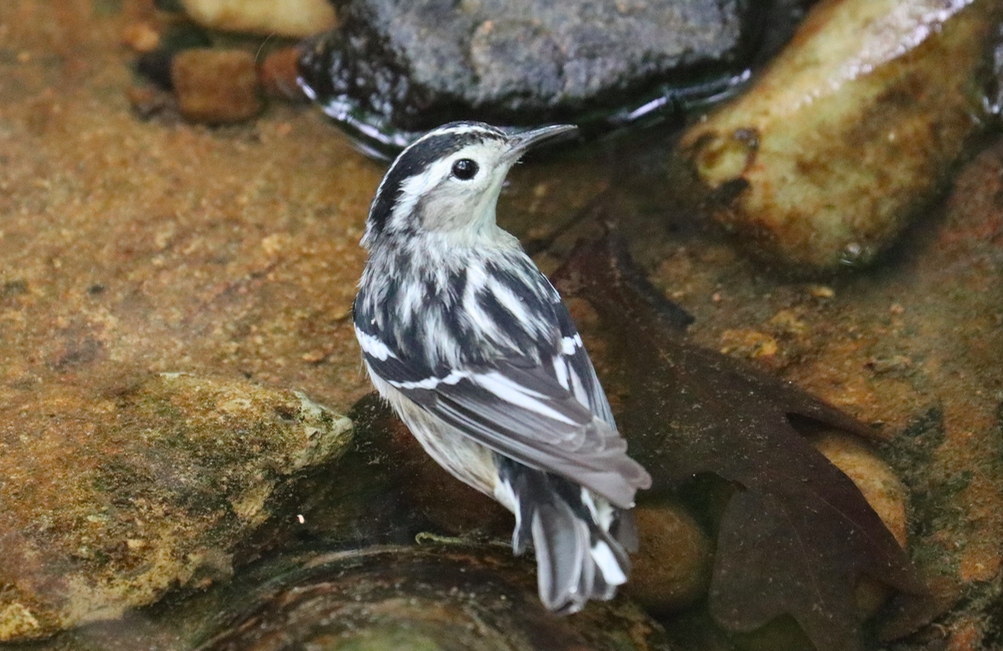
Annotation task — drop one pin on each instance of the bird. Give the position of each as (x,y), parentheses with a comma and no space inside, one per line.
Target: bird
(476,352)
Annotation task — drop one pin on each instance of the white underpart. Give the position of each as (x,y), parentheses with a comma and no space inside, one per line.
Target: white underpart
(505,495)
(467,460)
(511,392)
(373,346)
(610,568)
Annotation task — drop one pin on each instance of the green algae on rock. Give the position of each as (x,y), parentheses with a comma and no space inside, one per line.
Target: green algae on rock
(852,130)
(109,501)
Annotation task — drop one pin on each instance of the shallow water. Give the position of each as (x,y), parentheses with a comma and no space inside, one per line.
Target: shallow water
(133,247)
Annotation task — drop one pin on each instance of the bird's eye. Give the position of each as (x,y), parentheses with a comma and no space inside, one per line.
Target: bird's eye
(465,169)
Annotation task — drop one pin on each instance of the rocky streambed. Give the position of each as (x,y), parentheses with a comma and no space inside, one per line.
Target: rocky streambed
(187,455)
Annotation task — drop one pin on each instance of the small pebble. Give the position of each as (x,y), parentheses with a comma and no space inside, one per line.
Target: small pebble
(278,75)
(821,291)
(671,569)
(147,101)
(315,356)
(750,344)
(141,37)
(216,86)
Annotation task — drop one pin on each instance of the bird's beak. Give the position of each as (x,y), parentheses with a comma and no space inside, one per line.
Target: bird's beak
(521,142)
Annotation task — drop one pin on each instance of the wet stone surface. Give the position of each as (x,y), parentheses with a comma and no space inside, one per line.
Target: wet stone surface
(852,131)
(215,87)
(436,597)
(113,497)
(132,247)
(402,66)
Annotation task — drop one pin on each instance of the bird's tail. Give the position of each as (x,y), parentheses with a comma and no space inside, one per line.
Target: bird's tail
(579,538)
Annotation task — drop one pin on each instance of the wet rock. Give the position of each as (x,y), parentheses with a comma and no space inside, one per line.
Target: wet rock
(882,489)
(215,86)
(851,131)
(430,598)
(671,568)
(148,101)
(398,67)
(141,36)
(173,37)
(290,18)
(278,75)
(111,500)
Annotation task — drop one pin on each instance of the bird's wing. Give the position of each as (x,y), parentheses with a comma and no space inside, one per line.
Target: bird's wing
(551,416)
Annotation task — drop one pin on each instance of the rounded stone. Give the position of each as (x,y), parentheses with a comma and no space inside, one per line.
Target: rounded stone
(851,131)
(880,486)
(290,18)
(427,598)
(671,568)
(215,86)
(882,489)
(114,498)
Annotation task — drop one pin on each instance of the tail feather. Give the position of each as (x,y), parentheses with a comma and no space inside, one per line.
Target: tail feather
(577,557)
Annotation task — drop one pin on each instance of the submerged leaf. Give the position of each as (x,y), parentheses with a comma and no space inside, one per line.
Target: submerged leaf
(796,534)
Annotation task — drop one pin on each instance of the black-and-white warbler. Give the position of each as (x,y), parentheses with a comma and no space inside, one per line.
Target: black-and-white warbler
(475,351)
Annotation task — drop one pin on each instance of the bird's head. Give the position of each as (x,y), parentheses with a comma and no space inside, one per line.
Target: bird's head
(448,181)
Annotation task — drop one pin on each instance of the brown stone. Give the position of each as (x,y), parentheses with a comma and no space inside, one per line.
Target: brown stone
(671,568)
(851,131)
(278,75)
(141,36)
(112,498)
(882,489)
(216,86)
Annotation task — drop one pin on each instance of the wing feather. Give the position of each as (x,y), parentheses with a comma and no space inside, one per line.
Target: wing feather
(539,403)
(524,413)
